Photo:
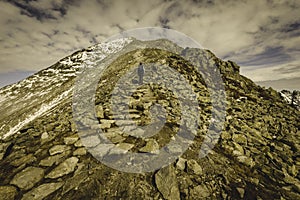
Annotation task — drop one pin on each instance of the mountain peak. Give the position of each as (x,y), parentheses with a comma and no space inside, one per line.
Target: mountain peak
(44,155)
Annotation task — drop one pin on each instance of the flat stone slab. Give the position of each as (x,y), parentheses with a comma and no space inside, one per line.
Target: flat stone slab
(42,191)
(58,149)
(200,191)
(56,159)
(27,178)
(64,168)
(90,141)
(71,139)
(79,152)
(125,146)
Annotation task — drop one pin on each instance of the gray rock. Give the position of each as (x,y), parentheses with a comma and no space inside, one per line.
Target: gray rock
(79,152)
(8,192)
(71,139)
(56,159)
(151,147)
(78,143)
(114,136)
(64,168)
(194,167)
(99,111)
(125,146)
(58,149)
(181,163)
(91,141)
(42,191)
(44,136)
(166,183)
(27,178)
(200,192)
(175,148)
(105,123)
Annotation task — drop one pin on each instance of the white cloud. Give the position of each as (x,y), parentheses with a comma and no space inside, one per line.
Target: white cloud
(267,72)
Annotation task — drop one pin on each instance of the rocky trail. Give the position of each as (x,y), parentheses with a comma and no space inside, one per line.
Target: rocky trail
(256,157)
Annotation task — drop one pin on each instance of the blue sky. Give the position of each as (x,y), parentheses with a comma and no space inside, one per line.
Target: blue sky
(262,36)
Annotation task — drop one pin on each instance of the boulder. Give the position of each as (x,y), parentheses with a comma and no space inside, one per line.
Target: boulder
(27,178)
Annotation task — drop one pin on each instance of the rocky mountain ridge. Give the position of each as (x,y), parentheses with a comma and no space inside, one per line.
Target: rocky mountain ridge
(42,155)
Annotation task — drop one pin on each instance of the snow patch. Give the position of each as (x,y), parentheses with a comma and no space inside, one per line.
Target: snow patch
(43,83)
(38,113)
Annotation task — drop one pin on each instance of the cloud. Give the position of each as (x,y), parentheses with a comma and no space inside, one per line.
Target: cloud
(256,34)
(42,9)
(267,72)
(281,84)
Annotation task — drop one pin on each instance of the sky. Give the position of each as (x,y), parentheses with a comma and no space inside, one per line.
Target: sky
(262,36)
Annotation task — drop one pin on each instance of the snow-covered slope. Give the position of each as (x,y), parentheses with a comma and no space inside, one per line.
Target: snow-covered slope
(24,101)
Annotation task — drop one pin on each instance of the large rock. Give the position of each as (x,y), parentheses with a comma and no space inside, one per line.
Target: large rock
(42,191)
(71,139)
(91,141)
(166,183)
(58,149)
(27,178)
(56,159)
(194,167)
(200,192)
(64,168)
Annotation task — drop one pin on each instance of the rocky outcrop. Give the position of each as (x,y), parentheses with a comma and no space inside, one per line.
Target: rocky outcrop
(256,157)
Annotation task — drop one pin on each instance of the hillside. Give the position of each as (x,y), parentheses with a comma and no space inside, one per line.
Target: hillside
(46,149)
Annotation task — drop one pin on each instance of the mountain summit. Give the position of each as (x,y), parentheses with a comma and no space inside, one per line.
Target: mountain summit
(43,155)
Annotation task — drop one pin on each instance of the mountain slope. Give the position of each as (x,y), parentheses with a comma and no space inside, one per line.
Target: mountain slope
(42,156)
(28,99)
